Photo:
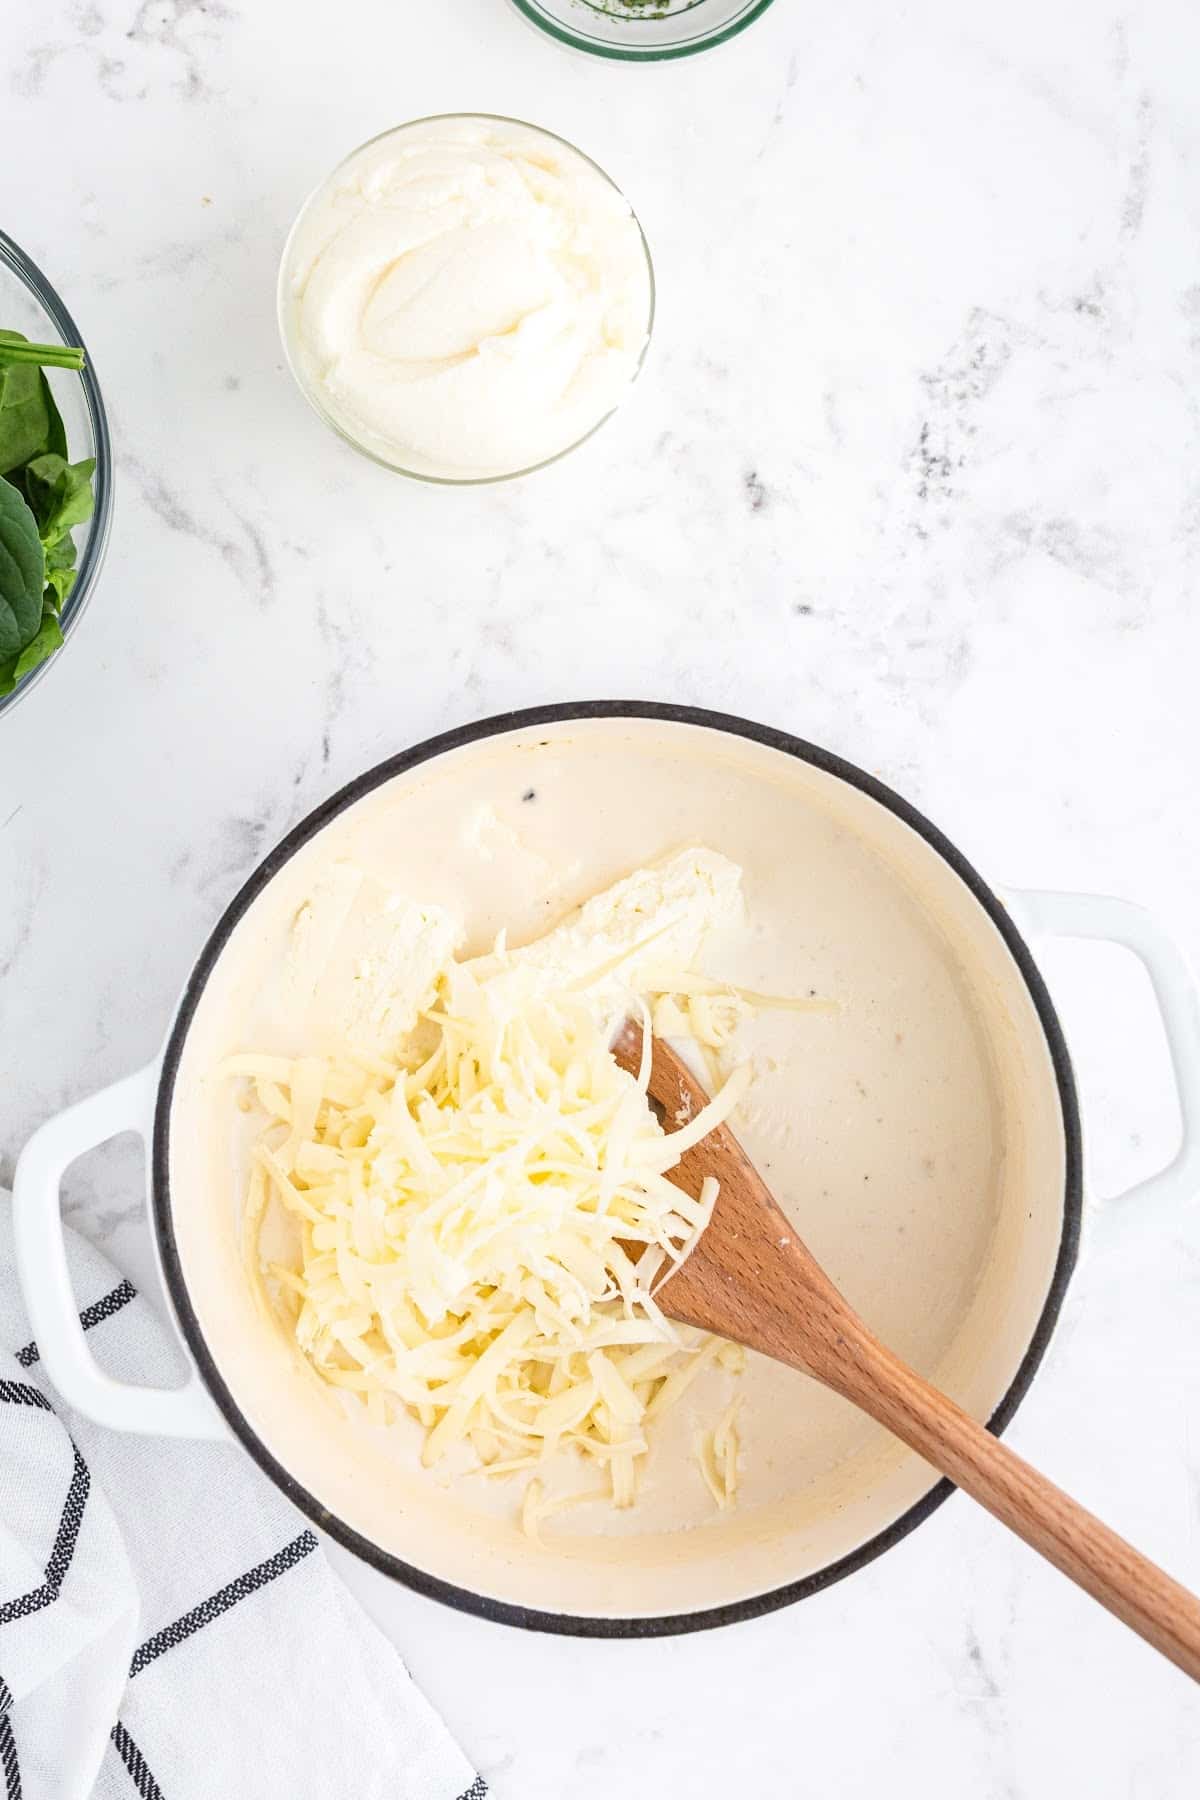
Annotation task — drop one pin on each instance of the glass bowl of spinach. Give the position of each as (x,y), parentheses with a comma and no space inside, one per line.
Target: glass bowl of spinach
(55,474)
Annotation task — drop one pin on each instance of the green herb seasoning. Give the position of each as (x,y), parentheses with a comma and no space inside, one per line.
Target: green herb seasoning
(42,498)
(641,9)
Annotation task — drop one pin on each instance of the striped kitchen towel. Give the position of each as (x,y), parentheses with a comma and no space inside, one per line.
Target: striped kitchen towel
(169,1628)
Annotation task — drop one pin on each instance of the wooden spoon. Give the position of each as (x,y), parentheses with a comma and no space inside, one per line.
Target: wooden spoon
(750,1278)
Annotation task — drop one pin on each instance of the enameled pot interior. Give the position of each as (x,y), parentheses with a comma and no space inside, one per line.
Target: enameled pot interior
(916,1137)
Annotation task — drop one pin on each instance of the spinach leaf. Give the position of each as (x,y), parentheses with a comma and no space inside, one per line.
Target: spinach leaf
(24,418)
(42,498)
(46,639)
(56,432)
(60,572)
(22,573)
(59,583)
(59,494)
(15,347)
(60,555)
(30,422)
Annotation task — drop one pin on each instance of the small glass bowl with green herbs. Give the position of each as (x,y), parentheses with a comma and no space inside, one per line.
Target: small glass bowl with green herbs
(642,30)
(55,474)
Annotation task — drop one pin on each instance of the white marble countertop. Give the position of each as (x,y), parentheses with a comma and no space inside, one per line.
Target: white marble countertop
(912,470)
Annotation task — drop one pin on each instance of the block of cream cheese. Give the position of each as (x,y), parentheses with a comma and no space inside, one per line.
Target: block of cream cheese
(363,963)
(628,939)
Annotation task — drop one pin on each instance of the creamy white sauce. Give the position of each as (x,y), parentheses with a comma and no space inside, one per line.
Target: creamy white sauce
(466,297)
(874,1125)
(912,1136)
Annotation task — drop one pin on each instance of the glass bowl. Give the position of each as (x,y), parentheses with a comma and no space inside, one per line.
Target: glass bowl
(642,30)
(295,361)
(28,303)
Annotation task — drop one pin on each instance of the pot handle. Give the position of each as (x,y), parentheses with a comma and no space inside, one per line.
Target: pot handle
(1121,922)
(41,1254)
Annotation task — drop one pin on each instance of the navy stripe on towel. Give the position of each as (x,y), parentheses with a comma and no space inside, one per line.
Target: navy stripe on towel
(64,1547)
(19,1393)
(212,1608)
(135,1762)
(8,1755)
(104,1308)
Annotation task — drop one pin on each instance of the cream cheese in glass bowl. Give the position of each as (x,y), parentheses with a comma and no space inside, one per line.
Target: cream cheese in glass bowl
(466,298)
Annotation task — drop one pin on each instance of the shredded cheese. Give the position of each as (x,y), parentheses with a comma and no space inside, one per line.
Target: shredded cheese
(477,1195)
(468,1220)
(717,1453)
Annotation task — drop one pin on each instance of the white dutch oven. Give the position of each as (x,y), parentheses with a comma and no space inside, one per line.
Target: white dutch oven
(929,1150)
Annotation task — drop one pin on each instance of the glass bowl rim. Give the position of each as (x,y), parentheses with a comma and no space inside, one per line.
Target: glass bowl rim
(322,412)
(27,271)
(529,9)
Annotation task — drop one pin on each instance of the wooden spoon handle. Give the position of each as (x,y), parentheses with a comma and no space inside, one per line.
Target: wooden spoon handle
(1139,1593)
(750,1278)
